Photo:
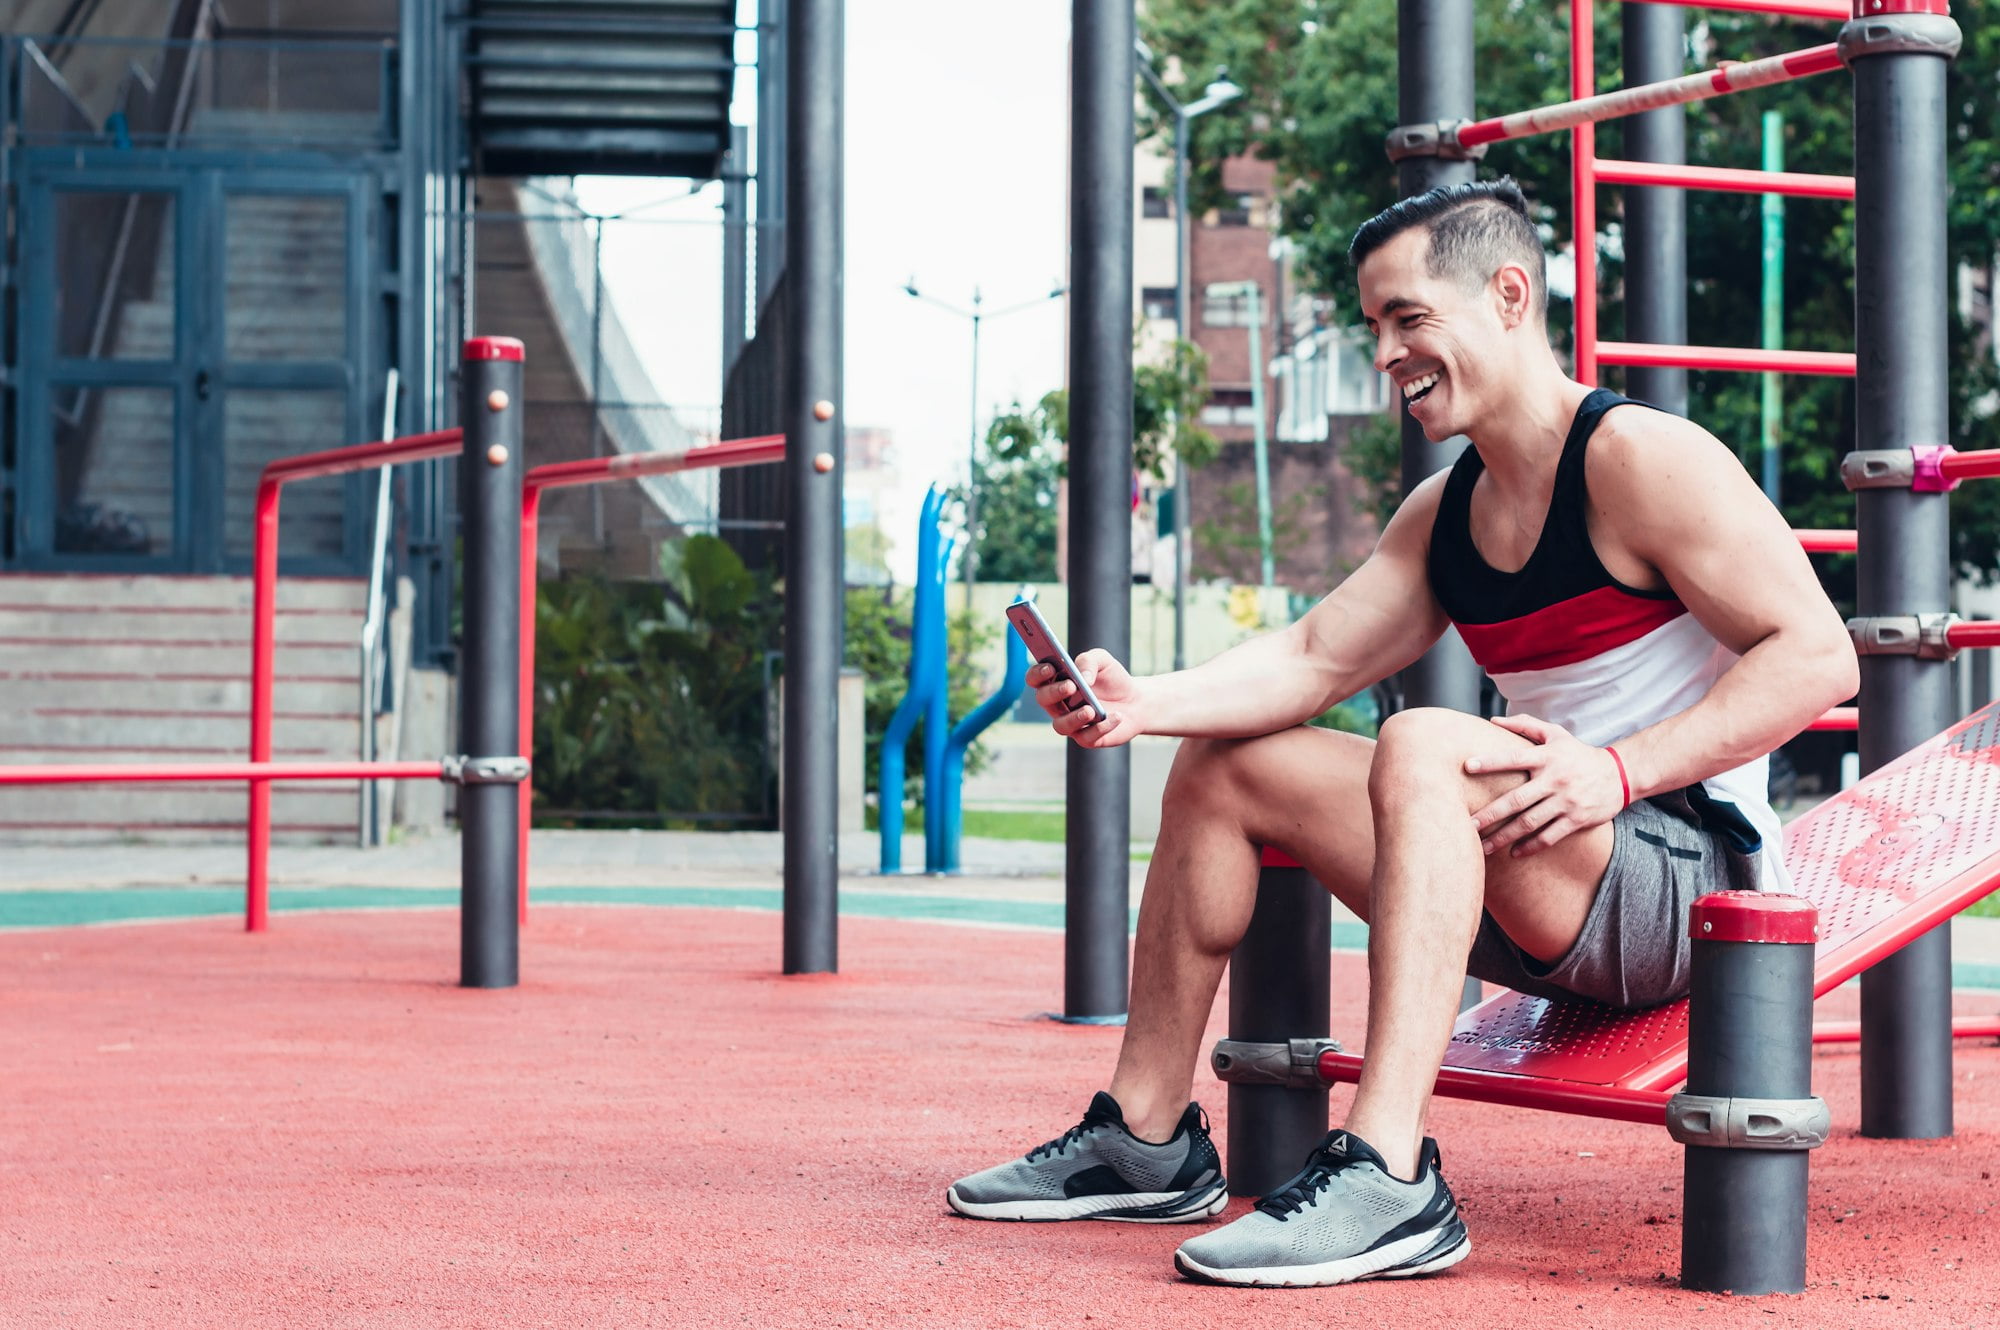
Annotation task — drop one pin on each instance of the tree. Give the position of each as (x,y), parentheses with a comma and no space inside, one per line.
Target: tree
(1021,461)
(1321,94)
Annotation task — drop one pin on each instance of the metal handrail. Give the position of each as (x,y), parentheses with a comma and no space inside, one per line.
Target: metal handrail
(368,828)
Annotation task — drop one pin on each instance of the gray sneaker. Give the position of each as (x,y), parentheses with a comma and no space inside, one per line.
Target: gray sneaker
(1343,1218)
(1100,1170)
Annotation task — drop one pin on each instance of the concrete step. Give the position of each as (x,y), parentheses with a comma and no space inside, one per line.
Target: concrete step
(299,812)
(78,630)
(96,594)
(139,662)
(225,735)
(222,698)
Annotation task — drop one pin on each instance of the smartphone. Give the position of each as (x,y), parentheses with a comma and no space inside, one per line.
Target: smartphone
(1044,646)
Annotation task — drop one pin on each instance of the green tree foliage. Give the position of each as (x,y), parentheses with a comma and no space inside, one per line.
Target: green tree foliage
(1321,94)
(1022,460)
(1227,546)
(650,696)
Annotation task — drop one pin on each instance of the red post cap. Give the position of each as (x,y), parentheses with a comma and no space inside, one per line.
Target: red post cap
(495,348)
(1278,859)
(1753,916)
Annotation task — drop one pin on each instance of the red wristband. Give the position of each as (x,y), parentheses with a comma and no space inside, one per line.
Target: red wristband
(1624,783)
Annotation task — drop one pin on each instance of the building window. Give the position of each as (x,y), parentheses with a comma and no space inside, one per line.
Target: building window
(1155,202)
(1229,406)
(1227,305)
(1158,301)
(1234,213)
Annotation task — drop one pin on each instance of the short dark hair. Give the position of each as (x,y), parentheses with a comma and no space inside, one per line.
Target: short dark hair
(1475,229)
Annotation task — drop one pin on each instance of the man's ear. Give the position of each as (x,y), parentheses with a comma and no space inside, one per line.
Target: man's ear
(1514,294)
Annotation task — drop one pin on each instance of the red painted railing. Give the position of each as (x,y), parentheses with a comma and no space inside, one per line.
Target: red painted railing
(1979,465)
(597,471)
(105,773)
(264,632)
(1725,179)
(1823,541)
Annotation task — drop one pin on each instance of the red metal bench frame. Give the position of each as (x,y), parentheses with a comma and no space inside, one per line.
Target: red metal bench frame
(1886,861)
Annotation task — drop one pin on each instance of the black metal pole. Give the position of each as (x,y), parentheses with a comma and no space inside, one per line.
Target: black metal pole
(1748,1116)
(1901,294)
(1656,216)
(1434,71)
(813,573)
(489,500)
(735,247)
(1434,82)
(1280,989)
(1097,889)
(774,93)
(1183,300)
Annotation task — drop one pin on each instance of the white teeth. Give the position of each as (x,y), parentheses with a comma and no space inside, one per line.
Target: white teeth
(1416,386)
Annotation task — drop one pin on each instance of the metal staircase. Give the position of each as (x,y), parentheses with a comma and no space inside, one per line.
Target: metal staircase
(600,87)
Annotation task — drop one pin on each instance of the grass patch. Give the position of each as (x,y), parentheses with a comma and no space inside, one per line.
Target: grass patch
(1049,825)
(1986,909)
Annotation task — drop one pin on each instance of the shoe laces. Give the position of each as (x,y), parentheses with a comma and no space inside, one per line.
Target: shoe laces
(1091,1122)
(1305,1186)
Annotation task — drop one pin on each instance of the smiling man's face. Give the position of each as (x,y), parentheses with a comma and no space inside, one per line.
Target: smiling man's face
(1442,344)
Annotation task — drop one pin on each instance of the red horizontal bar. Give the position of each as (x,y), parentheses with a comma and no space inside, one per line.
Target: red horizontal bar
(1726,179)
(1980,465)
(1591,1101)
(122,772)
(1750,358)
(364,456)
(1839,718)
(1822,541)
(628,466)
(1738,77)
(1962,1027)
(1827,9)
(1973,633)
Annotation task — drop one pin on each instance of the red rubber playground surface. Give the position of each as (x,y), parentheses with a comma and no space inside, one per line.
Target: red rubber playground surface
(316,1128)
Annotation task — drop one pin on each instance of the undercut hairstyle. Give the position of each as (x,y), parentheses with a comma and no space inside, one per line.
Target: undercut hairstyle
(1475,230)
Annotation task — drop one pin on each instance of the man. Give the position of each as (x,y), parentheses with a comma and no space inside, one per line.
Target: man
(1656,631)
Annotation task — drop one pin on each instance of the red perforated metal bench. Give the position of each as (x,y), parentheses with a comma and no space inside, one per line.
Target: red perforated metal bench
(1885,862)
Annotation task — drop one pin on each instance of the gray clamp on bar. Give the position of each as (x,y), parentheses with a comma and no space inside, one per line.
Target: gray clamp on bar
(1437,138)
(1723,1123)
(1898,34)
(1925,636)
(461,770)
(1879,469)
(1293,1064)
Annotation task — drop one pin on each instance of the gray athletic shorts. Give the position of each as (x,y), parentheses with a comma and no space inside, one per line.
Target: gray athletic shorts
(1633,950)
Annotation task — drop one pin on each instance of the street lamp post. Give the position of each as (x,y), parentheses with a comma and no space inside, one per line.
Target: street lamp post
(1219,93)
(977,314)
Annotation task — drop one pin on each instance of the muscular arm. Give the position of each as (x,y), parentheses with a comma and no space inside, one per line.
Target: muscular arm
(1671,496)
(1376,622)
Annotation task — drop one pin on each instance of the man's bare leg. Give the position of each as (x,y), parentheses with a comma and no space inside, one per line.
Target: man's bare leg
(1430,881)
(1315,794)
(1302,790)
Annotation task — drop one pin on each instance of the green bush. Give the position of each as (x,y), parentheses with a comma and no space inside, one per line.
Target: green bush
(650,696)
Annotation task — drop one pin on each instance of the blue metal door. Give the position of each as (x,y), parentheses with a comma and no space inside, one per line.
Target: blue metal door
(184,323)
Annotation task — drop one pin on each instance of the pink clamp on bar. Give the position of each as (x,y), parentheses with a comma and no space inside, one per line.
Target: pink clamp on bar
(1929,476)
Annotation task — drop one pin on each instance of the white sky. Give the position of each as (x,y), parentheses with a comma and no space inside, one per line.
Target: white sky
(957,145)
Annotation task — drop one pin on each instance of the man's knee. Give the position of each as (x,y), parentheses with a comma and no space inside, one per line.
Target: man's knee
(1203,772)
(1421,752)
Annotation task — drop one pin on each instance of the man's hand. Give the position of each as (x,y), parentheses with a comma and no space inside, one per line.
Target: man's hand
(1114,687)
(1570,787)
